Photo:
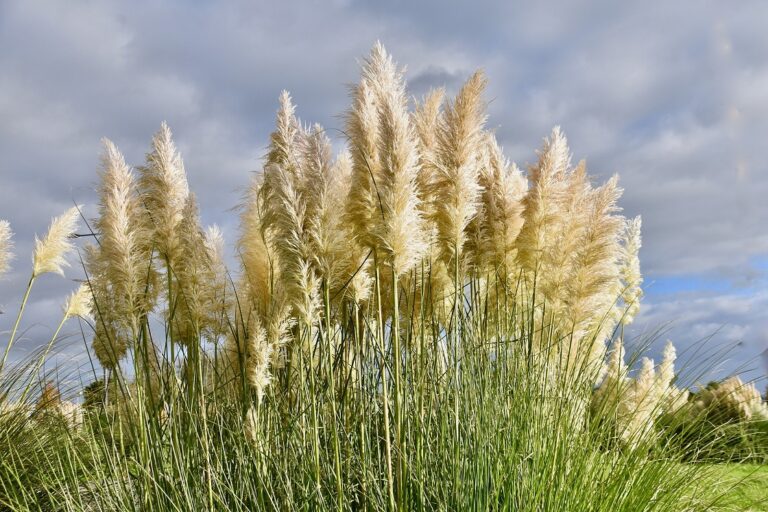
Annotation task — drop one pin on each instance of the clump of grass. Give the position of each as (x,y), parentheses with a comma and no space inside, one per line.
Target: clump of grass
(416,324)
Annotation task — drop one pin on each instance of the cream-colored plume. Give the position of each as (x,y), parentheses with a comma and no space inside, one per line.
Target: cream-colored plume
(295,163)
(285,146)
(629,271)
(284,141)
(542,205)
(258,357)
(286,218)
(110,343)
(400,231)
(670,397)
(221,301)
(260,292)
(79,302)
(589,289)
(426,121)
(329,183)
(384,206)
(732,400)
(642,404)
(363,206)
(6,244)
(634,405)
(121,277)
(456,186)
(495,229)
(164,191)
(194,292)
(51,252)
(258,260)
(123,252)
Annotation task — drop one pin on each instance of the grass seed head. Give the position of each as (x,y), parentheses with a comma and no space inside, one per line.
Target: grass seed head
(51,252)
(6,245)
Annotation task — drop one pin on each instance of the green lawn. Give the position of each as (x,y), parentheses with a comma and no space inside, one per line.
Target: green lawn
(742,486)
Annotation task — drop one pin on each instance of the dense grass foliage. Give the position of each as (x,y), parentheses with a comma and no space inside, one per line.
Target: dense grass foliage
(415,324)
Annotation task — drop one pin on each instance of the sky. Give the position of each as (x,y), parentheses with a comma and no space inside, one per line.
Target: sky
(673,98)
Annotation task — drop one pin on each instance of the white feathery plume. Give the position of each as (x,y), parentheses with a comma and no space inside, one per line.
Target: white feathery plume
(614,380)
(196,297)
(262,295)
(258,357)
(284,151)
(257,259)
(164,190)
(336,252)
(456,185)
(426,120)
(325,183)
(219,285)
(123,251)
(251,425)
(400,233)
(670,396)
(732,400)
(666,372)
(6,244)
(559,261)
(357,263)
(286,217)
(290,204)
(641,405)
(79,302)
(363,205)
(287,135)
(496,227)
(589,296)
(542,212)
(631,278)
(109,341)
(51,252)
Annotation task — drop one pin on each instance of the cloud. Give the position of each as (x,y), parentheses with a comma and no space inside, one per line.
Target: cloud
(716,334)
(673,98)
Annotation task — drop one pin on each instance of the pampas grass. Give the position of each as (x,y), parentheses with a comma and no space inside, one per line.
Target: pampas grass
(6,245)
(456,187)
(164,190)
(51,251)
(629,270)
(79,302)
(415,323)
(50,256)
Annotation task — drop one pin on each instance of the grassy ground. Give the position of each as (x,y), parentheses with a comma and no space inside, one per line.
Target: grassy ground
(744,486)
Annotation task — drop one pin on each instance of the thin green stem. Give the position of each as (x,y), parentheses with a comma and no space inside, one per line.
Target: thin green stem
(332,386)
(18,320)
(384,387)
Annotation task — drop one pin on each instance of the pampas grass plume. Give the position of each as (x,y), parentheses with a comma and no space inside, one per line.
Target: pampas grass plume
(122,243)
(629,269)
(542,211)
(258,357)
(363,205)
(401,230)
(79,302)
(6,244)
(164,188)
(51,252)
(456,185)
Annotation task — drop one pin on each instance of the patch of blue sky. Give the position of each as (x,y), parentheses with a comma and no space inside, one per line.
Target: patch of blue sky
(756,277)
(668,285)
